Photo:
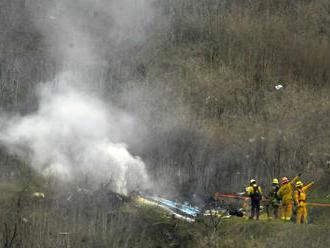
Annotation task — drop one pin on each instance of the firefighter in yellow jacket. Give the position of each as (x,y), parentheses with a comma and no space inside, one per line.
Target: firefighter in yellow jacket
(285,194)
(300,198)
(255,193)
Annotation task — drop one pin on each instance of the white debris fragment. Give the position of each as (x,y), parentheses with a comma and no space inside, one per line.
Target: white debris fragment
(279,86)
(52,17)
(38,195)
(69,197)
(251,140)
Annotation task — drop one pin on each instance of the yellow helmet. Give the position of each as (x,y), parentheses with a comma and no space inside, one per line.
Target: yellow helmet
(284,180)
(299,184)
(275,181)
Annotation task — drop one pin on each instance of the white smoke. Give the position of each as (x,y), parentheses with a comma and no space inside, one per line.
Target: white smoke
(71,137)
(81,33)
(74,135)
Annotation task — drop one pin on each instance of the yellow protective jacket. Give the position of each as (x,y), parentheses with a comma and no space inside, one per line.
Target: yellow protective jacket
(300,195)
(251,192)
(286,191)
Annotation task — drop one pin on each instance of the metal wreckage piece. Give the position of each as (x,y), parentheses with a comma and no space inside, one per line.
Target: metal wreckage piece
(186,211)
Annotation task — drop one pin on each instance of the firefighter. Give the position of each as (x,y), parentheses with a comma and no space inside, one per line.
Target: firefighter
(300,198)
(285,194)
(275,201)
(255,193)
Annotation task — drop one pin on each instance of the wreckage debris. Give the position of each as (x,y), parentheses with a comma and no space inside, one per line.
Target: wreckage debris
(187,212)
(279,86)
(38,195)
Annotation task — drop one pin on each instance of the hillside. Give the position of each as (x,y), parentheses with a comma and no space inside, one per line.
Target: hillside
(174,97)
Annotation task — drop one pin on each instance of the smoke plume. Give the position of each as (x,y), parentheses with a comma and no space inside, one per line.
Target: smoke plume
(86,33)
(74,135)
(71,136)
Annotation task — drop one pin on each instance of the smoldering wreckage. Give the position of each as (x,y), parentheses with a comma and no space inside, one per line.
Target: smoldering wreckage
(195,207)
(90,122)
(219,205)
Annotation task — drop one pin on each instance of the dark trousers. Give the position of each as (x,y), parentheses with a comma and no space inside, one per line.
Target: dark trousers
(275,209)
(255,209)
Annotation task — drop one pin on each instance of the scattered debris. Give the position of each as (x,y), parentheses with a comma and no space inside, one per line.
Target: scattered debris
(236,212)
(38,195)
(182,209)
(69,196)
(217,213)
(187,212)
(279,86)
